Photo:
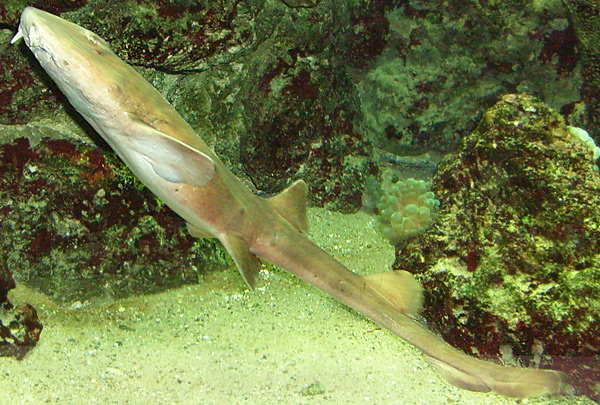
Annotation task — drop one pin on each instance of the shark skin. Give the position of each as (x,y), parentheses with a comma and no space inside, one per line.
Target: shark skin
(165,153)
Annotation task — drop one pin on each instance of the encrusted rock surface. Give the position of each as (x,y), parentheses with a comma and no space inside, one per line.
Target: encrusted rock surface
(20,327)
(264,82)
(511,268)
(82,227)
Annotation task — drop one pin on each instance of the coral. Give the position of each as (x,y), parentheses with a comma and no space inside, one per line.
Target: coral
(407,209)
(368,36)
(303,127)
(178,36)
(372,193)
(511,267)
(583,135)
(20,86)
(301,3)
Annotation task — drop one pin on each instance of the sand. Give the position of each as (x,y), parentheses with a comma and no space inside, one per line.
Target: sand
(218,342)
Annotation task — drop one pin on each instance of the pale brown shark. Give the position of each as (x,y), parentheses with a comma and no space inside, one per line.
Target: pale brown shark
(165,153)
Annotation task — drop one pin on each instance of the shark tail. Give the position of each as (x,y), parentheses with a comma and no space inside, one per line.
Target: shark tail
(514,382)
(404,292)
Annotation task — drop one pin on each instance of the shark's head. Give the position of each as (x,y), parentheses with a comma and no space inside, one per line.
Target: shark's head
(79,61)
(108,92)
(55,39)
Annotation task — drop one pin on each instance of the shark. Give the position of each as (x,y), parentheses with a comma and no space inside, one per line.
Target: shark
(172,160)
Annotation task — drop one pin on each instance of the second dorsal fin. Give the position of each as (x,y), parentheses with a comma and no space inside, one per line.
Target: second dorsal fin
(399,288)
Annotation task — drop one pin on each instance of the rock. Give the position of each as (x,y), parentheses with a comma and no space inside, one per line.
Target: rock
(20,327)
(82,227)
(511,268)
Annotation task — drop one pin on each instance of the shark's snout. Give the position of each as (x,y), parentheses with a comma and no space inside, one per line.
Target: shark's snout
(32,16)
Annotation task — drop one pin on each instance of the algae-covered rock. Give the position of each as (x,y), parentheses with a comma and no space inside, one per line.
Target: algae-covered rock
(20,327)
(447,62)
(77,225)
(264,82)
(584,16)
(511,268)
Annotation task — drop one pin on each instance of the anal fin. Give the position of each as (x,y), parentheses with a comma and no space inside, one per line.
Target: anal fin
(246,261)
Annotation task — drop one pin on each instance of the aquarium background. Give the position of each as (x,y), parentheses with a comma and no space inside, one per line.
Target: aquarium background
(352,97)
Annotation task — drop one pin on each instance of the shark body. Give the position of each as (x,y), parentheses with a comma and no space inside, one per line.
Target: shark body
(165,153)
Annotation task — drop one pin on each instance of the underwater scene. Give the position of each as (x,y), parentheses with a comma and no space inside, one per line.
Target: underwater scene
(300,202)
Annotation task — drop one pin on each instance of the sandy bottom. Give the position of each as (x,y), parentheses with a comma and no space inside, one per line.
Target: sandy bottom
(218,343)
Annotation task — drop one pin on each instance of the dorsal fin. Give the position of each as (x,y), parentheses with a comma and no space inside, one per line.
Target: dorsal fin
(291,204)
(399,288)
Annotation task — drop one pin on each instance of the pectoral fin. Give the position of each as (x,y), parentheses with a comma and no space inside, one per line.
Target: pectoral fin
(171,159)
(246,261)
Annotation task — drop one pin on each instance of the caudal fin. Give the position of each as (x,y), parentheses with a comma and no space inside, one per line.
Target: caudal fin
(515,382)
